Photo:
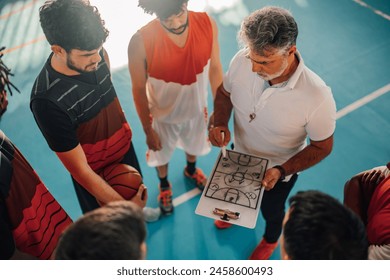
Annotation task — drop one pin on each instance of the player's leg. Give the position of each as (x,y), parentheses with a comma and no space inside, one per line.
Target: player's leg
(194,141)
(165,196)
(169,134)
(195,174)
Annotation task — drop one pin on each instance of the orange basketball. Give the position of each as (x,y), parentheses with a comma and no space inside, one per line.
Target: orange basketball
(123,178)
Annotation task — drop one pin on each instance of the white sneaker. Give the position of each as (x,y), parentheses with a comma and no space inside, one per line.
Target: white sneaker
(151,214)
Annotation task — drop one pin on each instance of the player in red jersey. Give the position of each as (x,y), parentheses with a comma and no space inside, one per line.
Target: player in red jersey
(75,104)
(31,220)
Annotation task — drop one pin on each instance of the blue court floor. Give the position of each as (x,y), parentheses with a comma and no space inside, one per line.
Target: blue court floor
(346,42)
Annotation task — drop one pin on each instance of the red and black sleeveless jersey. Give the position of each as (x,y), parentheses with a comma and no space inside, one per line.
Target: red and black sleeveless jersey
(71,110)
(31,220)
(378,214)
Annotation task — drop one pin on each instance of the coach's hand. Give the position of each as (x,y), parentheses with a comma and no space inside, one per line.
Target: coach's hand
(216,137)
(271,177)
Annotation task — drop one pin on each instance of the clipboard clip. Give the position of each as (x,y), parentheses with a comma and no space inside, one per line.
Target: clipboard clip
(226,214)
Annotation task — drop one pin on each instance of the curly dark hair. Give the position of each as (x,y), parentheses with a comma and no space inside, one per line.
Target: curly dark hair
(72,24)
(162,8)
(5,73)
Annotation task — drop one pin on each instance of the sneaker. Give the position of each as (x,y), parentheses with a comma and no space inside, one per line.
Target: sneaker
(165,201)
(151,214)
(221,224)
(263,251)
(198,178)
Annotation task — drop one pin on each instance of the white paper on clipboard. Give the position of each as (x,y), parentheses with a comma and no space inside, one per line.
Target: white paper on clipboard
(234,187)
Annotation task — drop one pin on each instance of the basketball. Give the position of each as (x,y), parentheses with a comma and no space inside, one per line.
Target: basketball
(123,178)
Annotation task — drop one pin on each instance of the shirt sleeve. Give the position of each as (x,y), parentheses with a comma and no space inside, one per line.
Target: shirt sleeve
(235,65)
(55,125)
(322,121)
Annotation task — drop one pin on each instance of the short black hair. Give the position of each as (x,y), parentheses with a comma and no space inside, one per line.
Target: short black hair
(115,231)
(319,227)
(72,24)
(162,8)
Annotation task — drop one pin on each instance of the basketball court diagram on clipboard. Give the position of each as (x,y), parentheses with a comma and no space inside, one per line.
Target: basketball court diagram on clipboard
(233,192)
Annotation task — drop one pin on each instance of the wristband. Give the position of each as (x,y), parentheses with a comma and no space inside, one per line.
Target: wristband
(282,172)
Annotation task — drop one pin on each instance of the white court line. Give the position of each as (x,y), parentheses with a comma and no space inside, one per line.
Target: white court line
(363,101)
(341,113)
(186,196)
(378,12)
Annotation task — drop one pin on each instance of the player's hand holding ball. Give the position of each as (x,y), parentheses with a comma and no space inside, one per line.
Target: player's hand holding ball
(126,181)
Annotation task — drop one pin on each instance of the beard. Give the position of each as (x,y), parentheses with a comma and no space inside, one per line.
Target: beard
(179,30)
(71,65)
(269,77)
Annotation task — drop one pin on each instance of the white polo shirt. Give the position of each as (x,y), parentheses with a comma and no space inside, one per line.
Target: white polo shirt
(285,116)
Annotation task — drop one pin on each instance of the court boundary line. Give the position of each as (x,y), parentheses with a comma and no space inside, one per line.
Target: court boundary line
(186,196)
(33,41)
(23,7)
(376,11)
(362,101)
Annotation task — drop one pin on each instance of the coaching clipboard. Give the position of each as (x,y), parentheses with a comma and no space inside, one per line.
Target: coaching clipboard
(233,192)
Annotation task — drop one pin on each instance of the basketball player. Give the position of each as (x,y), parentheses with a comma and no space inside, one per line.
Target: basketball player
(171,60)
(31,220)
(116,231)
(368,195)
(75,104)
(318,227)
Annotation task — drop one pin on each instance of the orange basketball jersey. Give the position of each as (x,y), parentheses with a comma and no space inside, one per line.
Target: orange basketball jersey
(178,77)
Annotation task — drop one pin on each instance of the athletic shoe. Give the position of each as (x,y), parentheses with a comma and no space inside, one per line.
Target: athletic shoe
(151,214)
(221,224)
(198,178)
(165,201)
(263,251)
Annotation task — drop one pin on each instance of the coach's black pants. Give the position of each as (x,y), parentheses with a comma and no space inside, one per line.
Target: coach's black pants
(273,208)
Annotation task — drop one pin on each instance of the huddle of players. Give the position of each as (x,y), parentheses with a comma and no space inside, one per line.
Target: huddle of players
(77,110)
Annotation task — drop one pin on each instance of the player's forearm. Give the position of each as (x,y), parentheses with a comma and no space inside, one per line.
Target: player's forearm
(222,108)
(215,76)
(77,165)
(142,107)
(96,186)
(215,71)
